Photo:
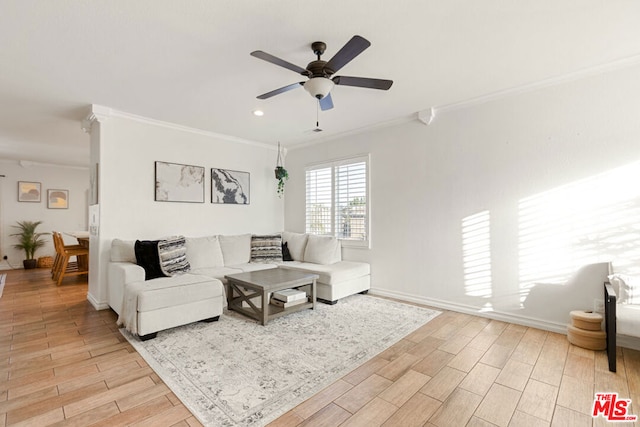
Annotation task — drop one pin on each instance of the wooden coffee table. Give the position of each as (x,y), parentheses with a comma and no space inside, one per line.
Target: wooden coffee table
(243,287)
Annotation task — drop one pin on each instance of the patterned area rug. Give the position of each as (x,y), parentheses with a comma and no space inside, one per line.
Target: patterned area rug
(236,372)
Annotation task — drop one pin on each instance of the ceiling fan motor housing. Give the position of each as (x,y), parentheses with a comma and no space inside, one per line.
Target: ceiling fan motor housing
(319,84)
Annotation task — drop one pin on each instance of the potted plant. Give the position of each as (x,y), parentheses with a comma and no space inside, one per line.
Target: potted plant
(281,173)
(29,241)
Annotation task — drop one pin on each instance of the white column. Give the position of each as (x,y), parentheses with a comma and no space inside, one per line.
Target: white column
(98,250)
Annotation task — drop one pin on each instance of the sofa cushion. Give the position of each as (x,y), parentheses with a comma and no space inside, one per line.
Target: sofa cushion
(147,257)
(218,272)
(236,249)
(296,242)
(173,256)
(204,252)
(331,274)
(253,266)
(322,250)
(122,251)
(178,290)
(266,248)
(628,319)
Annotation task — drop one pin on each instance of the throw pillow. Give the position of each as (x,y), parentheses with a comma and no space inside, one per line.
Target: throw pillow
(322,250)
(204,252)
(173,256)
(266,248)
(122,251)
(286,255)
(236,250)
(297,242)
(147,257)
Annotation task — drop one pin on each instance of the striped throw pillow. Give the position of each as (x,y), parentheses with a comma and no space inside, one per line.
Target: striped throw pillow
(173,256)
(267,248)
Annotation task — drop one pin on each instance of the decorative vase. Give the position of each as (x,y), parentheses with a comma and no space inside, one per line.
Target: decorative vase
(30,263)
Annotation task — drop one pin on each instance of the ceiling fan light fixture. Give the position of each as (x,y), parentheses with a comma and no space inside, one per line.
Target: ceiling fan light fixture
(319,87)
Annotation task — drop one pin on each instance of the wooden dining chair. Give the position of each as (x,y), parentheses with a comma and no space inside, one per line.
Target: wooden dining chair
(57,237)
(63,266)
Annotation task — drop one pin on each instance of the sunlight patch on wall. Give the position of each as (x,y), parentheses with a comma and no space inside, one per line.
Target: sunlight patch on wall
(476,254)
(588,221)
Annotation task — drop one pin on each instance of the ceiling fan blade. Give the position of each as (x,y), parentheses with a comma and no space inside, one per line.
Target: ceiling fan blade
(353,48)
(326,103)
(363,82)
(279,91)
(277,61)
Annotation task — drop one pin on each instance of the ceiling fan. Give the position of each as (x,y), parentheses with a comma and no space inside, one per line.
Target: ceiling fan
(320,72)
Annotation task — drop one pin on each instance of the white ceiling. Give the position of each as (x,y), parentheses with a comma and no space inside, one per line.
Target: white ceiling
(188,62)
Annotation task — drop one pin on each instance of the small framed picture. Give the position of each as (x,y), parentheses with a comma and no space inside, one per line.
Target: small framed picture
(29,191)
(58,199)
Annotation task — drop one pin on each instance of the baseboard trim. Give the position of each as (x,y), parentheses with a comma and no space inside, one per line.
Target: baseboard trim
(97,304)
(561,328)
(476,311)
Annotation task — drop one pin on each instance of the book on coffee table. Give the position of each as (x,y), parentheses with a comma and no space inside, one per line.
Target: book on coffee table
(288,295)
(282,304)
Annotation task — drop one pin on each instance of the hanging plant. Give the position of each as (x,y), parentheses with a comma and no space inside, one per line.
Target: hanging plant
(281,173)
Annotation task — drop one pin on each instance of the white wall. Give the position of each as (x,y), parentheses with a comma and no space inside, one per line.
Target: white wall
(74,179)
(128,149)
(483,158)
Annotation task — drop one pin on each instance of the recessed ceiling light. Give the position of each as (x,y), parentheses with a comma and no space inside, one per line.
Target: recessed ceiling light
(258,113)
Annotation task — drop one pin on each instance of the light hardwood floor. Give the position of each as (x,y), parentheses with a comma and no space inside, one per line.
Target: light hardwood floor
(63,363)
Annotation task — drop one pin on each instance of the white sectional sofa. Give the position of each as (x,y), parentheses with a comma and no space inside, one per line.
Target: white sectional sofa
(148,306)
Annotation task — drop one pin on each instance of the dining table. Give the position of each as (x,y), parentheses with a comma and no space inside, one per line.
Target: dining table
(81,236)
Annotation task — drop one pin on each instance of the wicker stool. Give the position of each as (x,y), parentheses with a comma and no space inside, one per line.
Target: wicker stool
(585,330)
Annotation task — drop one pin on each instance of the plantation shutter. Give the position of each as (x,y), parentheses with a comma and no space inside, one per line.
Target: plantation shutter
(351,201)
(318,201)
(337,200)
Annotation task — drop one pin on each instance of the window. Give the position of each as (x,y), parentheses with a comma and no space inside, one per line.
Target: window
(337,201)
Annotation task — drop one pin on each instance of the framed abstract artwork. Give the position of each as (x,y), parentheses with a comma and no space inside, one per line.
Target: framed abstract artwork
(230,187)
(57,199)
(29,191)
(179,183)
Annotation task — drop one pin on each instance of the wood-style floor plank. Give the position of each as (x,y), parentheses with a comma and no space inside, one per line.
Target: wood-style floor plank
(62,363)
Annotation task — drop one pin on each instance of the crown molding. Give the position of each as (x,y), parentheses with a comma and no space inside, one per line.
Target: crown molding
(98,114)
(28,163)
(101,113)
(540,84)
